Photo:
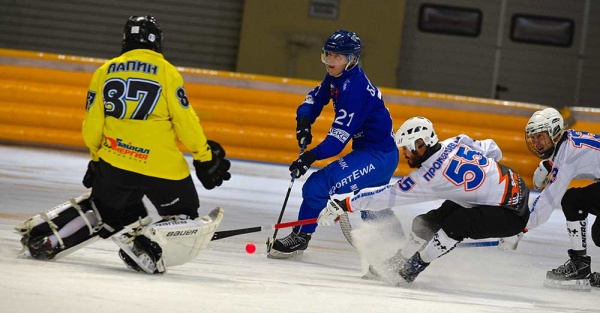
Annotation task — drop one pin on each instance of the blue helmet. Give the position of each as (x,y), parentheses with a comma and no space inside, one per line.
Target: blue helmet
(343,42)
(142,32)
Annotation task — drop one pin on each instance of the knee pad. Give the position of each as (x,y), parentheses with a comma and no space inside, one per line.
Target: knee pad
(424,228)
(114,220)
(134,213)
(189,213)
(596,232)
(112,223)
(571,206)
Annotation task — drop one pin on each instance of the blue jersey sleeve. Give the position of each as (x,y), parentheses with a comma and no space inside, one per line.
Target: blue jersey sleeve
(314,102)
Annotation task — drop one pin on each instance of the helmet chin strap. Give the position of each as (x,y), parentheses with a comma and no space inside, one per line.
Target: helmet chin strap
(347,68)
(350,65)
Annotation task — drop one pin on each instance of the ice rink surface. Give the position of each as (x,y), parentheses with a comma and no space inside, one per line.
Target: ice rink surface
(224,278)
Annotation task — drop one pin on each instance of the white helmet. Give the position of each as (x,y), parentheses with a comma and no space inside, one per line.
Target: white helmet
(413,129)
(547,120)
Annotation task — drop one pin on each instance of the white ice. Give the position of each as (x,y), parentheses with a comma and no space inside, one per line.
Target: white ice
(224,278)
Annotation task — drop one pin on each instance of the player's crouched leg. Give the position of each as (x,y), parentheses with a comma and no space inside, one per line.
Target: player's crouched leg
(155,247)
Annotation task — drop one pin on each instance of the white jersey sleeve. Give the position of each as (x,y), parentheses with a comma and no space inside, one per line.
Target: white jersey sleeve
(577,157)
(488,147)
(390,196)
(462,171)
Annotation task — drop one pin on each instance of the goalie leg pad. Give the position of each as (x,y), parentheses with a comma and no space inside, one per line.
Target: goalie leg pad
(57,217)
(181,241)
(59,231)
(72,237)
(168,243)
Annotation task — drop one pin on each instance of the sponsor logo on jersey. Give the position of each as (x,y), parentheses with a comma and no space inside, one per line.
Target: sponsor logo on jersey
(333,93)
(350,179)
(345,85)
(437,164)
(371,192)
(340,134)
(117,146)
(343,163)
(309,100)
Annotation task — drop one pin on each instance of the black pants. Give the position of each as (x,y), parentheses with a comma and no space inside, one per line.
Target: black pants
(577,203)
(477,222)
(115,190)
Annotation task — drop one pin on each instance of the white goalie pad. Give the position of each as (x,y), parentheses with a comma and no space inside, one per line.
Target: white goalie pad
(59,222)
(181,241)
(25,227)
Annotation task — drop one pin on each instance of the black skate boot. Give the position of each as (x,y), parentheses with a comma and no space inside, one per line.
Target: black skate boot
(575,274)
(412,268)
(595,279)
(41,248)
(294,244)
(140,253)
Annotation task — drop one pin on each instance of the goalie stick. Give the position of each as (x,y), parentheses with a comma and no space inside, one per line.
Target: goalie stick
(234,232)
(347,231)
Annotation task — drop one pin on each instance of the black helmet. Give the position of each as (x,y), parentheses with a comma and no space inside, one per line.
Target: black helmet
(142,32)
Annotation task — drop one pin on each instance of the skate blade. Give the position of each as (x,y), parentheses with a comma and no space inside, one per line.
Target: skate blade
(575,284)
(24,253)
(372,274)
(134,257)
(277,255)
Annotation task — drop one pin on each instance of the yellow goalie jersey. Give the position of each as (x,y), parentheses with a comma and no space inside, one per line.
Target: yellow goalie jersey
(136,111)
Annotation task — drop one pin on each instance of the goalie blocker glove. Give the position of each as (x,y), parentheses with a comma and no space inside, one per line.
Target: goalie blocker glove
(212,173)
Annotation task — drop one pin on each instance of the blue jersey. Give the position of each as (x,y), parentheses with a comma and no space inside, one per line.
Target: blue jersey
(360,114)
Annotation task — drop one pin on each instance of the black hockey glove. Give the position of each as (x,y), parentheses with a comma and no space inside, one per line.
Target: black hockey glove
(300,166)
(212,173)
(303,131)
(88,178)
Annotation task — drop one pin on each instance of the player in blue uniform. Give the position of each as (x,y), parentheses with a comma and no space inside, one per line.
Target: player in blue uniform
(360,116)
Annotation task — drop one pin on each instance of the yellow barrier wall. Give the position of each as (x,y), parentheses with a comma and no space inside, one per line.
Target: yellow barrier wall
(46,106)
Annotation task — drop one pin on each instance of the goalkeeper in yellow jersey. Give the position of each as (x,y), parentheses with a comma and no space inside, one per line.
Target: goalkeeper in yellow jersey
(136,112)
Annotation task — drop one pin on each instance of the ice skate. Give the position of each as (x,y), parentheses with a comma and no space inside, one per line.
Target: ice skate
(41,248)
(292,245)
(371,274)
(595,279)
(412,268)
(387,270)
(575,274)
(140,254)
